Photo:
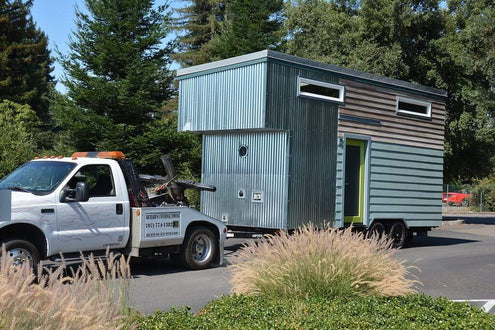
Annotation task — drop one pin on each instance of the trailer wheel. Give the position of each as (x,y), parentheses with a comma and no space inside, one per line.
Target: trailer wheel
(465,202)
(199,248)
(20,251)
(377,229)
(398,234)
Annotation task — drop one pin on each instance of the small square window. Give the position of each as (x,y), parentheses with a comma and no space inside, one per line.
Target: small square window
(320,90)
(413,107)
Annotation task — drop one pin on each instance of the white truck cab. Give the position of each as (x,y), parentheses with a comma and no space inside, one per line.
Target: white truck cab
(85,203)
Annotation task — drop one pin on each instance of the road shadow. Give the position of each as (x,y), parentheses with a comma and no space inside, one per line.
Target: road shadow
(234,248)
(480,220)
(159,266)
(422,241)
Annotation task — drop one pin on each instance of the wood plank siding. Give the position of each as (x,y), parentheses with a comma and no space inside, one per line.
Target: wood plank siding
(378,104)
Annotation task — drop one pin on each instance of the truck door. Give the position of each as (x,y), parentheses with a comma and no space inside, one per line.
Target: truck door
(97,223)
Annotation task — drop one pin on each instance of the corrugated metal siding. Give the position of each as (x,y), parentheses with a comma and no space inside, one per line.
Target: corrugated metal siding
(406,182)
(264,169)
(230,99)
(313,128)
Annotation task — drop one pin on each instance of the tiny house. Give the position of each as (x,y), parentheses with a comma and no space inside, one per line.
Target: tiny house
(288,141)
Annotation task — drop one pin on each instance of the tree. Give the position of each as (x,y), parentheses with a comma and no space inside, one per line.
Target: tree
(197,24)
(470,77)
(214,29)
(116,73)
(417,41)
(249,26)
(19,124)
(25,62)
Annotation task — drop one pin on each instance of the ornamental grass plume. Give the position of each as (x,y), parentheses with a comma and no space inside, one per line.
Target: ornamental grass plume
(324,263)
(92,297)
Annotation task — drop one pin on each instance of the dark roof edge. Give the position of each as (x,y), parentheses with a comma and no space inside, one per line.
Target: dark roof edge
(313,64)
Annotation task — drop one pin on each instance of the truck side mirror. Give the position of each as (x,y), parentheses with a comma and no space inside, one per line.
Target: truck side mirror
(81,193)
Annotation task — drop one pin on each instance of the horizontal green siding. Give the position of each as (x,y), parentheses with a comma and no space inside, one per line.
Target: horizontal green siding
(407,178)
(412,172)
(405,165)
(403,193)
(406,183)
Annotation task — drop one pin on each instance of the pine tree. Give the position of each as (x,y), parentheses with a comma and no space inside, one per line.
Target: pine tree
(249,26)
(197,24)
(116,73)
(25,62)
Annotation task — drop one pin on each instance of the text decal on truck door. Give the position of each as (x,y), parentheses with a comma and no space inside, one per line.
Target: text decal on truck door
(163,224)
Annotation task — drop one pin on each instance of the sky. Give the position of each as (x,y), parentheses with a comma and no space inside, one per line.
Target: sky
(56,19)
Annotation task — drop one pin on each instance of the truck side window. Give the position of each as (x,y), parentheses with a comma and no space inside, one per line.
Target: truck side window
(99,179)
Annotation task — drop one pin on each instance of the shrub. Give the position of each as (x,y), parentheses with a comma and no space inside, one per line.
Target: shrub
(93,297)
(319,263)
(255,312)
(484,194)
(17,144)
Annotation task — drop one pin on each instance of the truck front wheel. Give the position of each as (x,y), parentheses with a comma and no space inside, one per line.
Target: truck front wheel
(199,248)
(20,251)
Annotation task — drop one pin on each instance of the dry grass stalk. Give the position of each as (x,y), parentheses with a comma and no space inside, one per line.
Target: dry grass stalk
(93,297)
(320,263)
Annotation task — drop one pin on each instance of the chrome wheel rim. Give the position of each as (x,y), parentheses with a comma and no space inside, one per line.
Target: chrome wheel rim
(20,256)
(201,248)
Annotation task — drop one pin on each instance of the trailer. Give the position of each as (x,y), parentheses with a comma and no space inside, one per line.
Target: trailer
(288,141)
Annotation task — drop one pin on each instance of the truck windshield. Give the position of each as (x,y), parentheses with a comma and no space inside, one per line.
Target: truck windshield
(40,177)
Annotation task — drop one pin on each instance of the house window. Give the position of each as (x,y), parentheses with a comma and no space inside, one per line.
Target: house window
(413,107)
(320,90)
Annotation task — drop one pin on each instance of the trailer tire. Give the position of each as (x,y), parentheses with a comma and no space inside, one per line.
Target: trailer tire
(398,234)
(199,248)
(21,251)
(377,229)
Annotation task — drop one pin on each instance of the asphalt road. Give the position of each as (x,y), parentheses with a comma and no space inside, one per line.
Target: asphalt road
(457,261)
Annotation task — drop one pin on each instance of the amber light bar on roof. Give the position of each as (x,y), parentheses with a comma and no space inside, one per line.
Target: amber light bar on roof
(100,154)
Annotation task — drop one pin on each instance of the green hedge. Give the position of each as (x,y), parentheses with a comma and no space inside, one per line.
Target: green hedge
(243,312)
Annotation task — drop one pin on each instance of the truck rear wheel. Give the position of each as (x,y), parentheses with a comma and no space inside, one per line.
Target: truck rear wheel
(199,248)
(20,251)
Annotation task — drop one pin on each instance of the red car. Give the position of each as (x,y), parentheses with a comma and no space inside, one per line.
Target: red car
(456,198)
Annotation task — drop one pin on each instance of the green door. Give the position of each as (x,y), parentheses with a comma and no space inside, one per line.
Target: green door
(354,181)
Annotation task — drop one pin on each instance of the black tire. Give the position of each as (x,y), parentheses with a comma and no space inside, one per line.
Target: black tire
(398,234)
(199,248)
(377,229)
(22,251)
(465,202)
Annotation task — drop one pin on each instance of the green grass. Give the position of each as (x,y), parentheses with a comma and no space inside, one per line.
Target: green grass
(254,312)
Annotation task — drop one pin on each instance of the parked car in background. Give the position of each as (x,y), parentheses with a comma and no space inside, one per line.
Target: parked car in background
(457,198)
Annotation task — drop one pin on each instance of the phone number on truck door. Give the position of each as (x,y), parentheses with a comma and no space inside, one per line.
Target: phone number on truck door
(163,224)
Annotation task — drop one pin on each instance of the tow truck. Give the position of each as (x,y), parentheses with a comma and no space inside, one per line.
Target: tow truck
(95,201)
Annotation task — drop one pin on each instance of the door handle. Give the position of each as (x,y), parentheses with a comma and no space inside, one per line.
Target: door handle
(119,209)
